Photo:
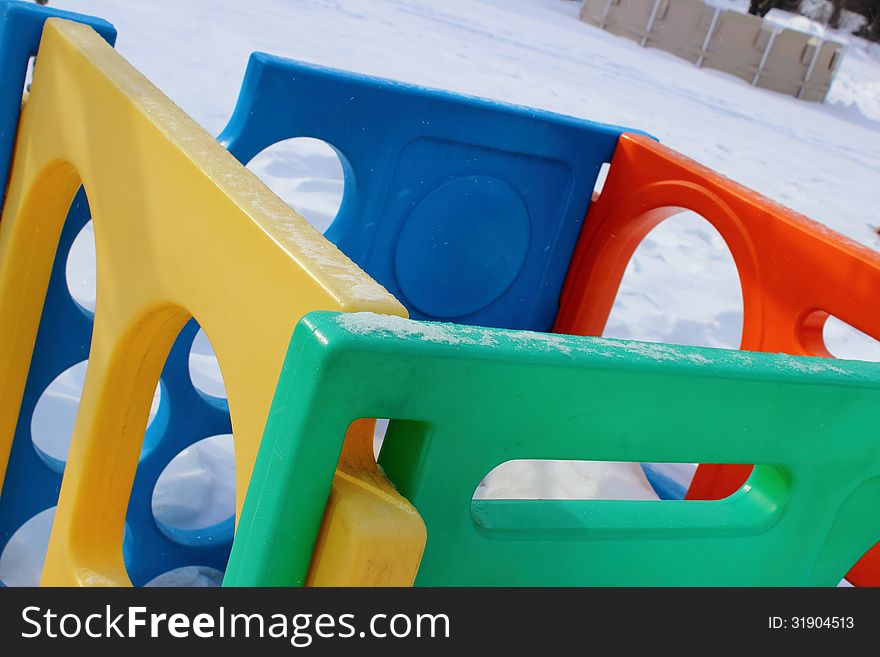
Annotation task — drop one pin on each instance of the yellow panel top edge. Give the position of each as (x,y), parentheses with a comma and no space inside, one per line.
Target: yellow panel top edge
(333,270)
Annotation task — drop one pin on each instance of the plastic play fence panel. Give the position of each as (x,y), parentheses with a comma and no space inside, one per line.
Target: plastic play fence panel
(279,98)
(464,400)
(794,272)
(627,18)
(681,27)
(788,61)
(182,230)
(464,209)
(825,66)
(738,44)
(800,65)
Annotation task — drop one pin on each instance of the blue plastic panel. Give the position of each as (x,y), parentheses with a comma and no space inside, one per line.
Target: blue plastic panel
(466,210)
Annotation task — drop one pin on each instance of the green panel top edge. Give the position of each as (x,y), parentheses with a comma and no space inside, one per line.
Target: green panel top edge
(383,332)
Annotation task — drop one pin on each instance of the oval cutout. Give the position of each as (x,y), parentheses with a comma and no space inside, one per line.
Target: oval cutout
(847,342)
(756,506)
(188,576)
(21,563)
(307,174)
(681,286)
(193,500)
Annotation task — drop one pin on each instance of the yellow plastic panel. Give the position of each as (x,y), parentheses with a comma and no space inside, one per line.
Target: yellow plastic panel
(181,230)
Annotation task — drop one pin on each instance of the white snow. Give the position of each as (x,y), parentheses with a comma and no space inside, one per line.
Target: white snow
(820,159)
(194,576)
(22,560)
(565,480)
(197,489)
(204,370)
(80,271)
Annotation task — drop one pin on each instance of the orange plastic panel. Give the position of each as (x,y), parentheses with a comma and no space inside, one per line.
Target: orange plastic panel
(793,271)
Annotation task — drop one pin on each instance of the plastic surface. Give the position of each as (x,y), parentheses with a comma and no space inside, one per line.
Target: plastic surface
(793,271)
(242,263)
(447,203)
(464,209)
(479,214)
(463,400)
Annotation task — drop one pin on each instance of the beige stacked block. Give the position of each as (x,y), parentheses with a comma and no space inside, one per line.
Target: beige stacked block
(680,27)
(824,70)
(788,62)
(746,46)
(627,18)
(738,45)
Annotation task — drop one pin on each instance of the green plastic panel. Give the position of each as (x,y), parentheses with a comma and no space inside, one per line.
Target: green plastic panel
(464,400)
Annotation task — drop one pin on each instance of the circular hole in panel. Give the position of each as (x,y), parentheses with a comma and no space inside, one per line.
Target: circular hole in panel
(21,563)
(681,286)
(847,342)
(81,269)
(190,576)
(55,415)
(204,370)
(307,174)
(194,498)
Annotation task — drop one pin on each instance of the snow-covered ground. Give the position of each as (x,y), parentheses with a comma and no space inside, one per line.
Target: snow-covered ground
(820,159)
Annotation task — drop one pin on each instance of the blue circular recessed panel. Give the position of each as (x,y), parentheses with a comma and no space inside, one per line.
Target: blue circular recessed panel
(462,246)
